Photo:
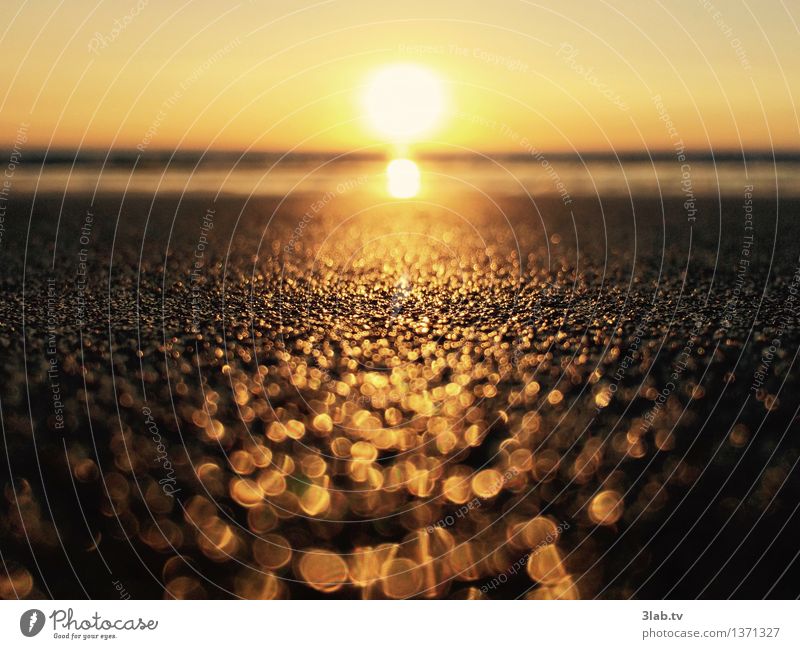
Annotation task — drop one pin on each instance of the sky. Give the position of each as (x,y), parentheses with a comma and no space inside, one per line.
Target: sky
(291,76)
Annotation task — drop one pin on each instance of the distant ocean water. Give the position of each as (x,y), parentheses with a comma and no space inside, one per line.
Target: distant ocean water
(271,176)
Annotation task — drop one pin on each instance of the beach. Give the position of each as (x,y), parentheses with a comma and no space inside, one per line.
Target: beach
(330,394)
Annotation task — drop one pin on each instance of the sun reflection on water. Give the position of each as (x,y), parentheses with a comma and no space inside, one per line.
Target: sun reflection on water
(402,178)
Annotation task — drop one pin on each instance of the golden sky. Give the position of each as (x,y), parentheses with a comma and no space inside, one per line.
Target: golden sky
(280,75)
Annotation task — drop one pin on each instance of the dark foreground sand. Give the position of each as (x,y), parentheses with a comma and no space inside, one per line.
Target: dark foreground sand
(398,400)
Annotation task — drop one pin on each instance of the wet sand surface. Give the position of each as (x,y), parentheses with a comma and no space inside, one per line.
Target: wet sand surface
(349,398)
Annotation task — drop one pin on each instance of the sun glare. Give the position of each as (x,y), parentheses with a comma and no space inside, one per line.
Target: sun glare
(404,101)
(402,178)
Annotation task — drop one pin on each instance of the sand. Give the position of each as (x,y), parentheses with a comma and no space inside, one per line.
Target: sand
(347,399)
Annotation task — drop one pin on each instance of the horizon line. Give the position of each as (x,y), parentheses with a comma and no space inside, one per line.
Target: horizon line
(63,155)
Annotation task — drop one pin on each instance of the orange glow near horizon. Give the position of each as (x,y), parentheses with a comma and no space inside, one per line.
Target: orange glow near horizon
(275,76)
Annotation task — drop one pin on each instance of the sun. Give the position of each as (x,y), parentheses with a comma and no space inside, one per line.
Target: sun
(404,101)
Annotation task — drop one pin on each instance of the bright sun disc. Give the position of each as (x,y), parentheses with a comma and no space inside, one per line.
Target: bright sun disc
(402,177)
(404,101)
